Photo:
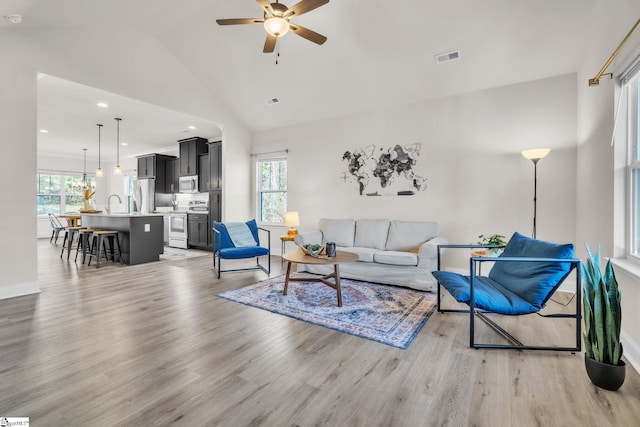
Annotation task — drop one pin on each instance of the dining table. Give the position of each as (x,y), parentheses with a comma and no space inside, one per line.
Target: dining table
(73,220)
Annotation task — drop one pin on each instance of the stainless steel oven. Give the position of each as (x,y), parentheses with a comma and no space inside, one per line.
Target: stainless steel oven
(178,230)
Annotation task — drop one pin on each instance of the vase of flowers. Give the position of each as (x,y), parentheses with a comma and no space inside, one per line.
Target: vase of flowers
(88,199)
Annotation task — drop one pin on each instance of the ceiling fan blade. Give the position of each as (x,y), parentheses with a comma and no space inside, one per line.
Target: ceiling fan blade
(270,44)
(303,7)
(307,34)
(266,6)
(239,21)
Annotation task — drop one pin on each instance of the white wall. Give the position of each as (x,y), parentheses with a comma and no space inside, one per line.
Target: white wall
(123,62)
(18,258)
(598,210)
(478,182)
(236,175)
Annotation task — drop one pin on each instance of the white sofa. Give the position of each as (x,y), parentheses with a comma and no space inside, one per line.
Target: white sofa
(402,253)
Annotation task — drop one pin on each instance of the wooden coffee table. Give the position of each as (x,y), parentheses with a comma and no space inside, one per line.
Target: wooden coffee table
(299,257)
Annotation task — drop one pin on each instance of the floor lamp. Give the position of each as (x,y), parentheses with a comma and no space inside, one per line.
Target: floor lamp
(534,155)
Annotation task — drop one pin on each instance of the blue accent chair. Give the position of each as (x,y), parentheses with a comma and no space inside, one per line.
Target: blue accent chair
(223,248)
(522,280)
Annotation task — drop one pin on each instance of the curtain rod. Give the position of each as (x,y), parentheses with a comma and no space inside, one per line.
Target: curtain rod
(596,80)
(286,150)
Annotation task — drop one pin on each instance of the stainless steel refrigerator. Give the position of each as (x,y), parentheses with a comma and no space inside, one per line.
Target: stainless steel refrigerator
(144,195)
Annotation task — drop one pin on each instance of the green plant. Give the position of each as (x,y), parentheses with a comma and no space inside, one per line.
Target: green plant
(492,240)
(602,311)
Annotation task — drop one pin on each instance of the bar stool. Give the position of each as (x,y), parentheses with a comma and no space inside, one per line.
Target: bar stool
(84,235)
(97,241)
(69,234)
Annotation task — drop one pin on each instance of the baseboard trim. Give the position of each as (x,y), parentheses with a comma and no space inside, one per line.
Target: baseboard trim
(18,290)
(631,350)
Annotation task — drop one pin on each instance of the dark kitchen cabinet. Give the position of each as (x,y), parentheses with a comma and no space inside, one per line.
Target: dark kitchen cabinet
(172,178)
(190,150)
(198,231)
(154,166)
(146,167)
(204,175)
(215,205)
(215,165)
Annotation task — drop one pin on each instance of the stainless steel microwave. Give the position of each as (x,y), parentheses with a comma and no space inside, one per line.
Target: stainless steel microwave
(189,184)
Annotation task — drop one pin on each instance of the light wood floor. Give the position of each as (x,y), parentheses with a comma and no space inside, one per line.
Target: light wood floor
(152,345)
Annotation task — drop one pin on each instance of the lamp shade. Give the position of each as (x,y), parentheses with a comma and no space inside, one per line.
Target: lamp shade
(292,219)
(536,153)
(276,26)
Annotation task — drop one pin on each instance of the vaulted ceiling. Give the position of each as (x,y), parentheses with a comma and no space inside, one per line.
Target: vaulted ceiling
(378,53)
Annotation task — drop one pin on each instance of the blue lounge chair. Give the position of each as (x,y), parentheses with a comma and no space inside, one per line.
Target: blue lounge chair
(234,241)
(522,280)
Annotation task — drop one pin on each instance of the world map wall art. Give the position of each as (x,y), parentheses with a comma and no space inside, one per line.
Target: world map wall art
(384,171)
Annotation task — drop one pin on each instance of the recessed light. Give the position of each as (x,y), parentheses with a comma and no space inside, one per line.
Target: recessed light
(103,105)
(191,127)
(44,131)
(124,143)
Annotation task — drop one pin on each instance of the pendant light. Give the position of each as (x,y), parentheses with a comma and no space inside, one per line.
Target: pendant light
(99,170)
(117,170)
(84,169)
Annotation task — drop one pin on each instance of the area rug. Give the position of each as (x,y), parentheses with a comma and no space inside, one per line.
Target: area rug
(174,254)
(386,314)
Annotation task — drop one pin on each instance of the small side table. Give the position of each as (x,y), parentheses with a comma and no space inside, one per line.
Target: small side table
(283,239)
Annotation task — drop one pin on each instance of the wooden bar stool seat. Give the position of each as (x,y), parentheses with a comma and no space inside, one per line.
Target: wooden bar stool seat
(97,243)
(84,237)
(67,243)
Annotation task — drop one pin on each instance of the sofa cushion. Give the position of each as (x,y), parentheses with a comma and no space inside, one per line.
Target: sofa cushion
(517,276)
(395,258)
(339,231)
(487,294)
(364,254)
(372,233)
(408,235)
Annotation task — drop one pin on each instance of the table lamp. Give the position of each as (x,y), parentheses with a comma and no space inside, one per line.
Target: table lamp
(292,220)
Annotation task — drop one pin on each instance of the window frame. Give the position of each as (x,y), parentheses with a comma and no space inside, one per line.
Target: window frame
(259,191)
(630,117)
(62,194)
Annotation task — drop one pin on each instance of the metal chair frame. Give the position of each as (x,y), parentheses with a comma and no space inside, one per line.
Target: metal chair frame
(216,254)
(473,311)
(56,226)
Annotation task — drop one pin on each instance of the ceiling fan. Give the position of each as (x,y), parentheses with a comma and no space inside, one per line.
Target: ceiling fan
(277,21)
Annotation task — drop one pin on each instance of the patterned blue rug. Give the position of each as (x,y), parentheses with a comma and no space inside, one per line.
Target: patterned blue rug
(386,314)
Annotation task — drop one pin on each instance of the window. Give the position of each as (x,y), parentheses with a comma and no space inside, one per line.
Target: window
(631,81)
(48,194)
(272,189)
(58,193)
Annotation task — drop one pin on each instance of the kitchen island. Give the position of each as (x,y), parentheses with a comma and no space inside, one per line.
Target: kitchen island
(141,236)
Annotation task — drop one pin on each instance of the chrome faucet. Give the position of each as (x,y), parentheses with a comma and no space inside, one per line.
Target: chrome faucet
(108,208)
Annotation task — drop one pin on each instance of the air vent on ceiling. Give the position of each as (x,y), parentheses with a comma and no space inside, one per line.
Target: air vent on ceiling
(447,56)
(272,101)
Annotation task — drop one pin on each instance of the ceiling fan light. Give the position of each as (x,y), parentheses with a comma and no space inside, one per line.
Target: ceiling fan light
(276,26)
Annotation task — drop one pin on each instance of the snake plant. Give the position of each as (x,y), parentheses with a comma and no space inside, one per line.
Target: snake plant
(602,311)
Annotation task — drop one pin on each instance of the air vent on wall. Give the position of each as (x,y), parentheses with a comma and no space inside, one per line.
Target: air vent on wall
(272,101)
(447,56)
